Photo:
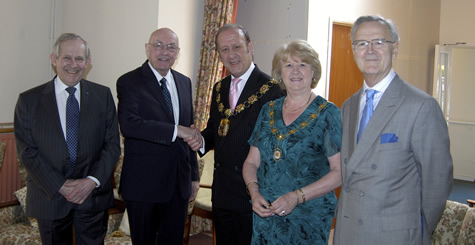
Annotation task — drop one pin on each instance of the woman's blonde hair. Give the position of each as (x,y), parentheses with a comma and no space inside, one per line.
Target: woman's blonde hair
(302,50)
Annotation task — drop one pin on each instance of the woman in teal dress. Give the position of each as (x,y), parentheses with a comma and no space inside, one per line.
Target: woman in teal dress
(294,162)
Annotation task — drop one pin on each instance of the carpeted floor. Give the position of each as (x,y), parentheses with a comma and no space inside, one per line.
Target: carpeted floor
(203,238)
(462,190)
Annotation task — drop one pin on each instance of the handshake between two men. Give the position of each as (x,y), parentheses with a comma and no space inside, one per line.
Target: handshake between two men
(191,135)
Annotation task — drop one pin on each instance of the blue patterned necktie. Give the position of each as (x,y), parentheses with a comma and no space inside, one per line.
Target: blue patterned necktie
(166,94)
(367,112)
(72,125)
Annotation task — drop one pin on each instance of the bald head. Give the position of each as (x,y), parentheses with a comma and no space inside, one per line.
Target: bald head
(162,50)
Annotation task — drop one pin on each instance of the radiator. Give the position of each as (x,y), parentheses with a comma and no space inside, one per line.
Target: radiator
(10,180)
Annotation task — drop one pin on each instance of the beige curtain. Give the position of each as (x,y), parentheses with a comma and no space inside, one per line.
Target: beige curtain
(217,13)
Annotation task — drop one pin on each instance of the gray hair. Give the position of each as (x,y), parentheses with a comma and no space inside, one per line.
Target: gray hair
(370,18)
(66,37)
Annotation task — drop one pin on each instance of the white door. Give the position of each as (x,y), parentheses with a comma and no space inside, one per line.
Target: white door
(454,89)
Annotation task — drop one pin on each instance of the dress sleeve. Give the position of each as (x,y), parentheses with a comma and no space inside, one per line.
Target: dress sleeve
(332,133)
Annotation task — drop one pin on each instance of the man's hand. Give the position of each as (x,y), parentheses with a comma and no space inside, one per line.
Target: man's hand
(76,191)
(191,135)
(195,186)
(66,189)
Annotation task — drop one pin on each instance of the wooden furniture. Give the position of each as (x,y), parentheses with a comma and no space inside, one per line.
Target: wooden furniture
(202,204)
(470,202)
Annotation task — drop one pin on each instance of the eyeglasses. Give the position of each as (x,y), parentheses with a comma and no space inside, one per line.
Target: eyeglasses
(379,43)
(171,48)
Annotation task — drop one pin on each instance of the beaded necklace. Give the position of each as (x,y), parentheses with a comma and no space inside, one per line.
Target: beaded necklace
(277,151)
(224,124)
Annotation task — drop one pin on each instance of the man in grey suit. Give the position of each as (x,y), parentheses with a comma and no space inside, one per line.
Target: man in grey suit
(397,173)
(67,137)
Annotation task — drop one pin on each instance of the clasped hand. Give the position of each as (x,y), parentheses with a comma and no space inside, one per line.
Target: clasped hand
(76,191)
(282,206)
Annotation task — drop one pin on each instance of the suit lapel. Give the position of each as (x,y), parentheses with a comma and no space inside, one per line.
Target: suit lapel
(152,83)
(182,99)
(251,87)
(224,92)
(387,106)
(50,108)
(353,117)
(84,108)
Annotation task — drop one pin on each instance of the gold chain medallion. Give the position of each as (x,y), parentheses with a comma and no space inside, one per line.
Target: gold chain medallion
(224,124)
(278,153)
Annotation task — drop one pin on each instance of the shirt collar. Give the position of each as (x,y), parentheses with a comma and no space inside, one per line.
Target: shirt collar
(247,74)
(159,76)
(382,85)
(59,86)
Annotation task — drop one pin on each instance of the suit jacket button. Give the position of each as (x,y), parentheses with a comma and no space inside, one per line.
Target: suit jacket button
(360,222)
(374,166)
(236,168)
(361,194)
(345,161)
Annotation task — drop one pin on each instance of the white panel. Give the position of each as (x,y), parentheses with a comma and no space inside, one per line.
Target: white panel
(462,85)
(462,142)
(453,87)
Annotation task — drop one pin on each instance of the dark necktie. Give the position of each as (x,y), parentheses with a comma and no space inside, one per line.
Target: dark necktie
(166,94)
(72,125)
(367,112)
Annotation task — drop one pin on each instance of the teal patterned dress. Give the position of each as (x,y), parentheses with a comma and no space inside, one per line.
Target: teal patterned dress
(303,160)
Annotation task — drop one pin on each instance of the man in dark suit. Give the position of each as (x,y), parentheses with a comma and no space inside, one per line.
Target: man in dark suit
(396,164)
(69,165)
(229,127)
(160,171)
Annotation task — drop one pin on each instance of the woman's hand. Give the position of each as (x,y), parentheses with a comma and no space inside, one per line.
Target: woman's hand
(285,204)
(260,206)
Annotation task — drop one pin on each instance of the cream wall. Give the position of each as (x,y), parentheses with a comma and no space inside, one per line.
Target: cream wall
(416,20)
(25,39)
(272,23)
(457,21)
(116,31)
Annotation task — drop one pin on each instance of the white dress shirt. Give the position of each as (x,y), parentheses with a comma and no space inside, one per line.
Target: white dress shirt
(173,94)
(61,99)
(380,87)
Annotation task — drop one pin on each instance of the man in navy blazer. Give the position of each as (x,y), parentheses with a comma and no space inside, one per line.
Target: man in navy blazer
(397,168)
(160,171)
(61,191)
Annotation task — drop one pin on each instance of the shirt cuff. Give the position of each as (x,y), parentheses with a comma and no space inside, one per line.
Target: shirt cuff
(175,132)
(95,180)
(202,149)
